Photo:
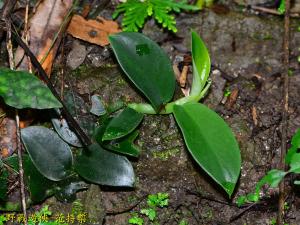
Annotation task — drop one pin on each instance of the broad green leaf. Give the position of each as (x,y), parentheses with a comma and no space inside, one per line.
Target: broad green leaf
(21,89)
(296,139)
(122,124)
(62,128)
(99,131)
(146,65)
(38,186)
(291,152)
(122,145)
(125,145)
(272,178)
(201,65)
(295,163)
(293,149)
(281,8)
(51,155)
(103,167)
(211,143)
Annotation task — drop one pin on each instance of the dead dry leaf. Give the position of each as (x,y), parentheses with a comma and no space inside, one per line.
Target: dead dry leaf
(92,31)
(44,26)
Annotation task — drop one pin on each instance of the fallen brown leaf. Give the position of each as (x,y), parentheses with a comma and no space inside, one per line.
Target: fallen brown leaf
(92,31)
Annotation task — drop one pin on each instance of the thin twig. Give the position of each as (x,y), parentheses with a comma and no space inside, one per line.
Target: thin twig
(25,33)
(237,216)
(272,11)
(266,10)
(209,198)
(58,33)
(21,170)
(6,10)
(19,145)
(285,106)
(9,45)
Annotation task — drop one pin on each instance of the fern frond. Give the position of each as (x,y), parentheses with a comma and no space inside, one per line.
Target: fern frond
(136,11)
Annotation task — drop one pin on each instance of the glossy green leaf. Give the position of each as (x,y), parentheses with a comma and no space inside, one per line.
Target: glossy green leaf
(125,145)
(103,167)
(272,178)
(21,89)
(62,128)
(211,143)
(201,65)
(51,155)
(38,186)
(295,163)
(146,65)
(295,145)
(123,124)
(296,139)
(99,131)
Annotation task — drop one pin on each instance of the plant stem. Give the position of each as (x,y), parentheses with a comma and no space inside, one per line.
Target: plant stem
(148,109)
(285,106)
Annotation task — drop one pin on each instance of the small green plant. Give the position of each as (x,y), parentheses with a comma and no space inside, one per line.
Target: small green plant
(2,219)
(183,222)
(158,200)
(49,164)
(204,3)
(208,138)
(154,201)
(135,219)
(227,92)
(136,12)
(273,221)
(275,176)
(281,8)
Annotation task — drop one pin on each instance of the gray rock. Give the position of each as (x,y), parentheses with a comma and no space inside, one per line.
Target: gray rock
(77,55)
